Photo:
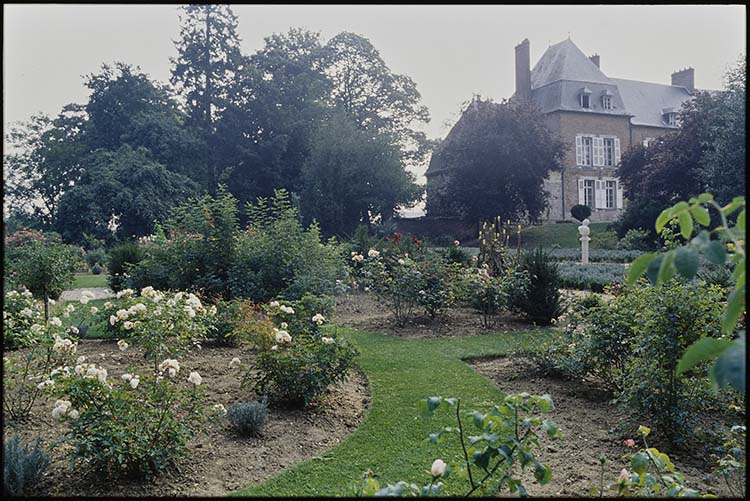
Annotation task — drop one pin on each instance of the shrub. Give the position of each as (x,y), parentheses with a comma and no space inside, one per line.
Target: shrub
(120,260)
(163,324)
(604,240)
(435,294)
(455,254)
(45,268)
(672,317)
(97,269)
(489,294)
(297,370)
(26,373)
(636,239)
(580,212)
(223,327)
(95,257)
(395,284)
(277,257)
(540,301)
(594,277)
(248,418)
(20,313)
(150,420)
(23,465)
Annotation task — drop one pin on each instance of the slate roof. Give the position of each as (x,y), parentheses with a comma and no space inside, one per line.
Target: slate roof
(647,101)
(565,61)
(563,71)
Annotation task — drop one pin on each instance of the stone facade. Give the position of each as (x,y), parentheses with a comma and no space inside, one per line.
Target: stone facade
(598,118)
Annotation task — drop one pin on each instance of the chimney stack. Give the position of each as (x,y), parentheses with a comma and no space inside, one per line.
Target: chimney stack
(523,71)
(685,78)
(595,60)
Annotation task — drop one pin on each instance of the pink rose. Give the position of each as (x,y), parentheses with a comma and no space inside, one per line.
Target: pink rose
(630,442)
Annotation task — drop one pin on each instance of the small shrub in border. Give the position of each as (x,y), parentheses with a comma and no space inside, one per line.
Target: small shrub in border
(248,418)
(541,300)
(23,465)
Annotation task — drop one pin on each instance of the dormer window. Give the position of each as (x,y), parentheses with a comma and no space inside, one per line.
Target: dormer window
(585,98)
(670,116)
(607,100)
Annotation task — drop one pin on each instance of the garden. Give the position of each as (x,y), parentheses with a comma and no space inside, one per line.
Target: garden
(262,359)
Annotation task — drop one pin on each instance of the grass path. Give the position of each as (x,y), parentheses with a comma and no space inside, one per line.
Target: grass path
(85,280)
(391,440)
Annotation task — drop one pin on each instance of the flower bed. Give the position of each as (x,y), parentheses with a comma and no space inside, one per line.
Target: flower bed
(593,276)
(595,255)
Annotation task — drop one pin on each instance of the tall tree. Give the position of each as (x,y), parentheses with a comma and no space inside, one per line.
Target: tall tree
(127,107)
(375,97)
(706,154)
(497,157)
(44,162)
(208,60)
(353,176)
(127,187)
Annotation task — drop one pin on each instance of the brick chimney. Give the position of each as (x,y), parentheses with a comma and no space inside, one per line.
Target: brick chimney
(523,71)
(685,78)
(595,60)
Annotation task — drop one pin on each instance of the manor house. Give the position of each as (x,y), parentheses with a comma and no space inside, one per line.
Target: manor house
(596,116)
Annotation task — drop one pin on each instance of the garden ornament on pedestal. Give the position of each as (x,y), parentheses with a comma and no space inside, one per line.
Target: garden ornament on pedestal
(584,230)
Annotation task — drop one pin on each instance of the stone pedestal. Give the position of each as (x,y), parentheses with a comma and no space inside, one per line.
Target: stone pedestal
(584,230)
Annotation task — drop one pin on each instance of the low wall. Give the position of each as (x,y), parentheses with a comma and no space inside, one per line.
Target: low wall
(437,227)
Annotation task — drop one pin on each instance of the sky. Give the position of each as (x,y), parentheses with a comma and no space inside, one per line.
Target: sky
(451,51)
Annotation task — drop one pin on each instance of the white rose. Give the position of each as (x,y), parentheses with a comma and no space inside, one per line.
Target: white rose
(94,310)
(373,253)
(284,325)
(438,468)
(134,382)
(126,377)
(55,321)
(274,304)
(234,363)
(73,414)
(195,378)
(219,409)
(122,344)
(327,340)
(318,318)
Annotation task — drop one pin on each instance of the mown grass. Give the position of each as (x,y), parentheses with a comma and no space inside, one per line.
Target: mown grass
(83,281)
(547,235)
(391,440)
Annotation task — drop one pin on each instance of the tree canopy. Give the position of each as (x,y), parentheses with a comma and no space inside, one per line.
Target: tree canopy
(496,158)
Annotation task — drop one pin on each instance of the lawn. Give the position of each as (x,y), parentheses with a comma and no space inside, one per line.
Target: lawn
(83,281)
(561,235)
(83,312)
(391,440)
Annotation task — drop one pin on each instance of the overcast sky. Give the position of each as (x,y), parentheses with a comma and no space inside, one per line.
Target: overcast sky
(451,52)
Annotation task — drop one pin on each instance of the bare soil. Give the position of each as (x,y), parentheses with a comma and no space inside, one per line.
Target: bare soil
(363,312)
(588,423)
(220,461)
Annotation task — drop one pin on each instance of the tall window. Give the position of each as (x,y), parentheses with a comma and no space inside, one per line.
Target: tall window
(588,192)
(587,150)
(585,101)
(609,192)
(671,118)
(609,151)
(607,102)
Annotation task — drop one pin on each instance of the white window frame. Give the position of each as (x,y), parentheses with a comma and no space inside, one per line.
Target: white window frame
(671,119)
(647,141)
(607,102)
(588,101)
(610,194)
(608,161)
(589,197)
(587,160)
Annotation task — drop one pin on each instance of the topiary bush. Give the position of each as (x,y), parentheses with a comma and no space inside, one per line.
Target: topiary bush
(95,257)
(23,465)
(580,212)
(540,301)
(248,418)
(121,259)
(97,269)
(636,239)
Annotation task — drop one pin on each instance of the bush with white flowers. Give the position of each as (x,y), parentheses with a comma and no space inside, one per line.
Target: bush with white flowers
(163,324)
(299,363)
(132,424)
(26,372)
(20,312)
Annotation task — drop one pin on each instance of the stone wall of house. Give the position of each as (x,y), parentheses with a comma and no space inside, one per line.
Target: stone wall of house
(567,125)
(639,133)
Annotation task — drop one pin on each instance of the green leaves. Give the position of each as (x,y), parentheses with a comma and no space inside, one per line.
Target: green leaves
(542,473)
(686,261)
(638,266)
(639,463)
(702,350)
(729,369)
